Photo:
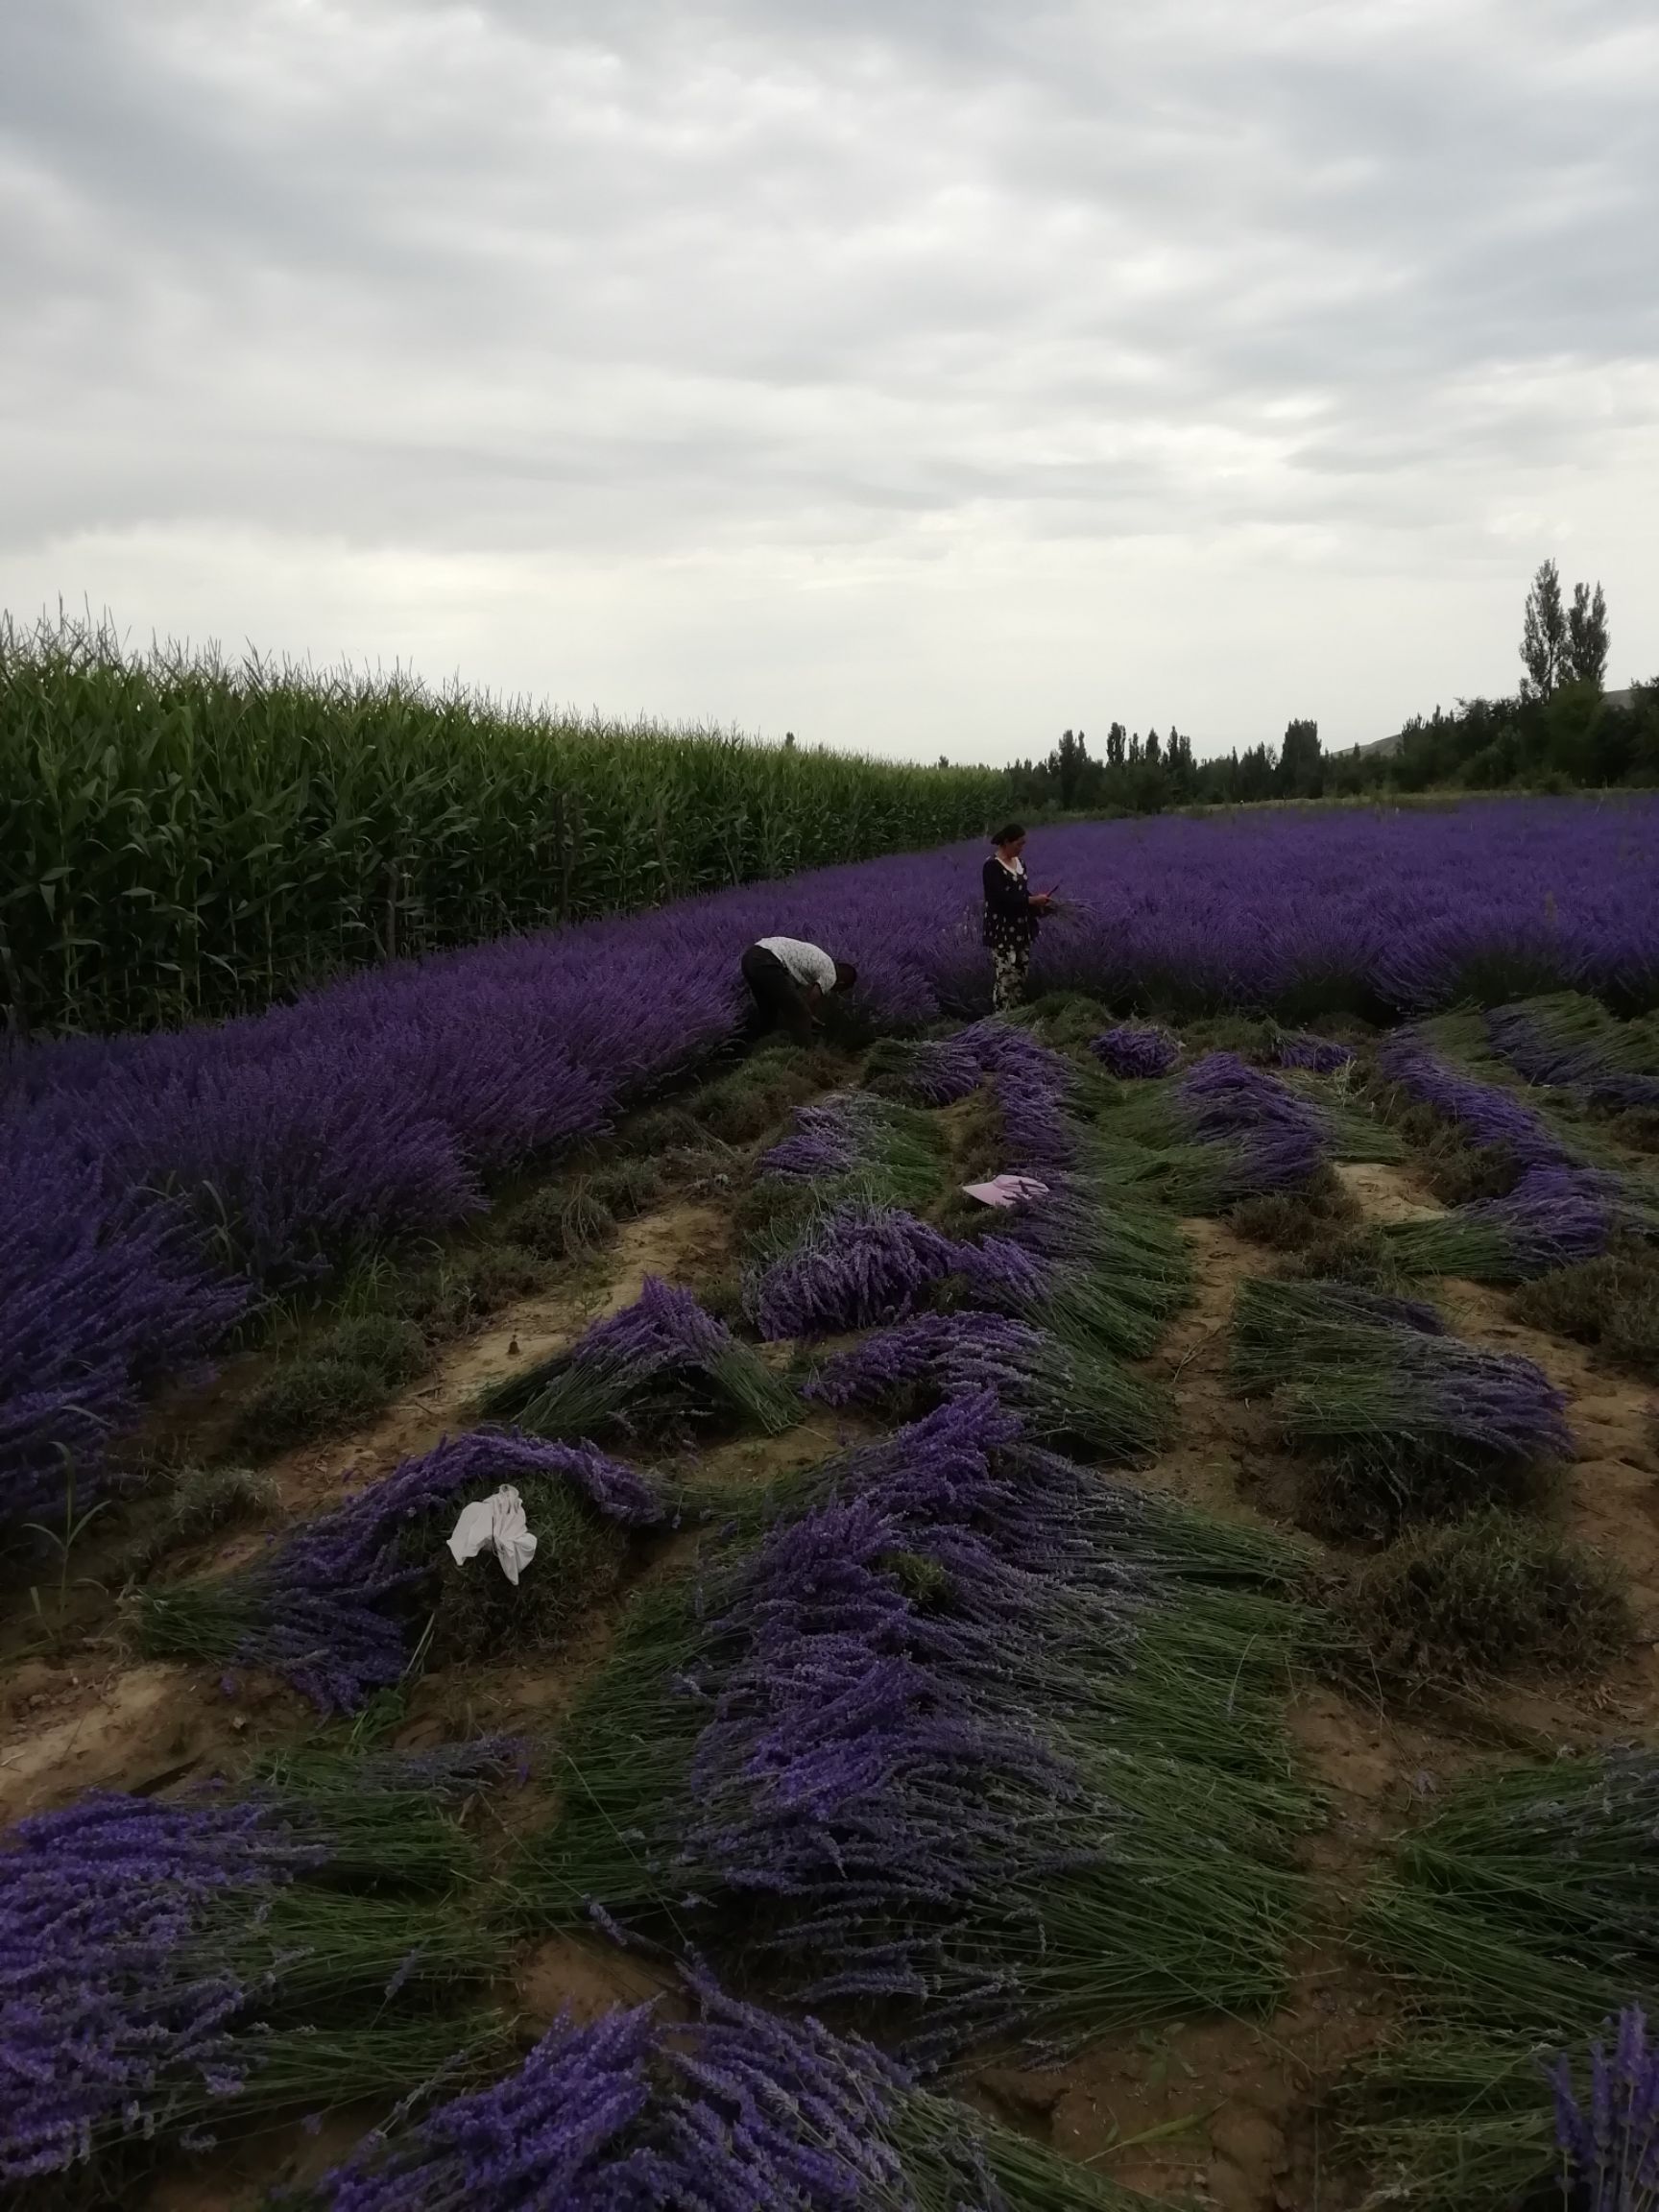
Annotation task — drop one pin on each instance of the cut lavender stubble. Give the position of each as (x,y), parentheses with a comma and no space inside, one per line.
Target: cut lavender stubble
(337,1607)
(661,1363)
(738,2111)
(169,1965)
(947,1744)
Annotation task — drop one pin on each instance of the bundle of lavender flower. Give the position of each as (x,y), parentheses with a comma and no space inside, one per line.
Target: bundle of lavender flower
(169,1968)
(739,2110)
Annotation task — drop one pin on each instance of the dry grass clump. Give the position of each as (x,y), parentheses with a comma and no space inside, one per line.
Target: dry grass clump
(662,1129)
(1067,1020)
(722,1295)
(202,1501)
(1289,1221)
(562,1220)
(1637,1126)
(394,1350)
(497,1273)
(1611,1301)
(338,1376)
(1489,1596)
(308,1397)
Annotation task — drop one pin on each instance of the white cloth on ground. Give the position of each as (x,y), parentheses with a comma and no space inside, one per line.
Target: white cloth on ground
(495,1524)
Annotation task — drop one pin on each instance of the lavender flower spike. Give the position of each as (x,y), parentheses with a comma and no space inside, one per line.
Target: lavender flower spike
(1611,2150)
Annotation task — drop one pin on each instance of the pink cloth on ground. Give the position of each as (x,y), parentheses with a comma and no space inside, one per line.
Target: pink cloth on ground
(1006,1190)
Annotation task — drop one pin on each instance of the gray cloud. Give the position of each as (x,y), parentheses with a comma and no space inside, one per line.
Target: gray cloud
(912,330)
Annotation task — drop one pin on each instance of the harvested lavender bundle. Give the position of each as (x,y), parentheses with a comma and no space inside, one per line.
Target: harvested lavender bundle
(1555,1217)
(661,1360)
(1063,1393)
(1319,1055)
(1410,1423)
(1136,1051)
(859,1265)
(1033,1087)
(337,1607)
(741,2111)
(1567,1039)
(1274,1140)
(163,1964)
(863,1145)
(947,1741)
(1486,1113)
(1092,1268)
(943,1068)
(1518,1919)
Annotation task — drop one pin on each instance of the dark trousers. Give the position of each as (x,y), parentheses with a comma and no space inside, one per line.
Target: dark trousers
(779,1000)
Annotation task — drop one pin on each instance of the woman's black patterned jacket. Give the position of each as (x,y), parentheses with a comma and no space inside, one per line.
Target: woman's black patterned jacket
(1010,926)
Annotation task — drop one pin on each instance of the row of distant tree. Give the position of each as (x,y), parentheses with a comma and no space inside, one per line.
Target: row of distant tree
(1560,731)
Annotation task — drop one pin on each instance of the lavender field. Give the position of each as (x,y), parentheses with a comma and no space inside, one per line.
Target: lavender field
(1034,1706)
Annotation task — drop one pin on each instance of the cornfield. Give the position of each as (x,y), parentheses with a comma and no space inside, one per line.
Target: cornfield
(181,839)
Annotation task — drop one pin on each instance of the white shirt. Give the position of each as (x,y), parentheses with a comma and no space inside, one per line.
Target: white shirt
(805,963)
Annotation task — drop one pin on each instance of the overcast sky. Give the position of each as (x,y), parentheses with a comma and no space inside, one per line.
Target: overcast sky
(919,375)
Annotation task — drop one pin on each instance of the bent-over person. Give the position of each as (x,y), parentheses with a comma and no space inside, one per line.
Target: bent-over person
(788,980)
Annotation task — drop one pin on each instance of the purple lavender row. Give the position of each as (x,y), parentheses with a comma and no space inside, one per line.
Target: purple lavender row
(99,1296)
(336,1607)
(373,1107)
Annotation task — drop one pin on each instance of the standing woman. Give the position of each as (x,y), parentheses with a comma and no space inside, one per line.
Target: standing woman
(1012,913)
